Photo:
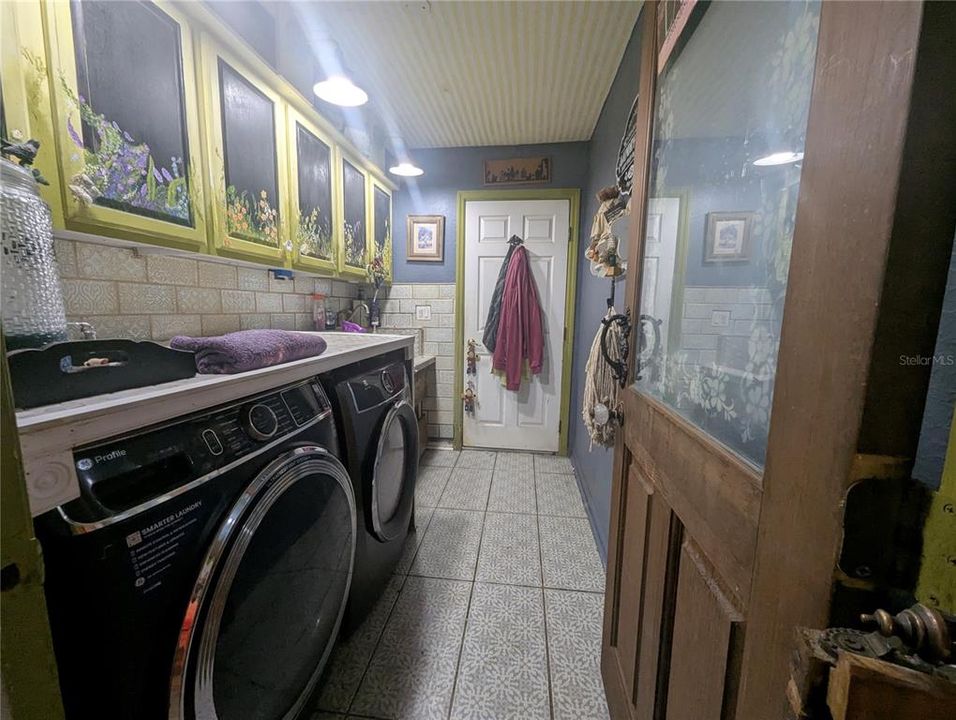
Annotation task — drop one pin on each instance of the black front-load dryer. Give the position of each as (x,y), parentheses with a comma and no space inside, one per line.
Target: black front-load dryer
(379,434)
(203,572)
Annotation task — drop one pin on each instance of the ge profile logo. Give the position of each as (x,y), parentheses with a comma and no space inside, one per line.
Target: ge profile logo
(84,464)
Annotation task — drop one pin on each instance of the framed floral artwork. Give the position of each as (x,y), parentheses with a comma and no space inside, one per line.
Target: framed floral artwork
(727,238)
(426,238)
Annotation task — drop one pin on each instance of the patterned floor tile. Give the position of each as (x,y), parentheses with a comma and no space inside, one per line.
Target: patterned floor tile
(429,484)
(559,495)
(484,459)
(509,550)
(412,673)
(351,656)
(327,716)
(503,669)
(568,555)
(466,489)
(450,546)
(442,458)
(553,464)
(574,645)
(515,462)
(423,516)
(512,492)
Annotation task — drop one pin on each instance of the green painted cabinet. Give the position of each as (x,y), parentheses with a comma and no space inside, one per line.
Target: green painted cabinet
(126,117)
(246,163)
(380,221)
(312,162)
(354,217)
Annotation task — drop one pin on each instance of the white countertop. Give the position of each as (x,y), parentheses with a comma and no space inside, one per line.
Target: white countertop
(48,434)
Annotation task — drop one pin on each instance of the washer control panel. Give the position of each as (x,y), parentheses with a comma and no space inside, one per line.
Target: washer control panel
(378,386)
(125,472)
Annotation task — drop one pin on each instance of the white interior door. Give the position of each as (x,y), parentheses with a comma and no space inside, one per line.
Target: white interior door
(528,419)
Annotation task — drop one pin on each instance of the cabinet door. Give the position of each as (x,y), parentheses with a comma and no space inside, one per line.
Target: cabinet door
(354,238)
(381,224)
(314,223)
(245,131)
(127,120)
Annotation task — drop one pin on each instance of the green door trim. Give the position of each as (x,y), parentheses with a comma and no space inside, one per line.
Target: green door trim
(573,196)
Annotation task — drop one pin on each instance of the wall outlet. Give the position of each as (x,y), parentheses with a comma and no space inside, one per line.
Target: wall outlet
(423,312)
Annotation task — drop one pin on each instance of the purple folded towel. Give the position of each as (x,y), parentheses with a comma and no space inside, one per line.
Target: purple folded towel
(248,349)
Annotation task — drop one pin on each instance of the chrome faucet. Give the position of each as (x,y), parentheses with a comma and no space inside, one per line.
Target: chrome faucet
(85,328)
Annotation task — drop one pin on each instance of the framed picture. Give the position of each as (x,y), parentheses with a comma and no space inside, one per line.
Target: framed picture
(518,171)
(728,237)
(426,238)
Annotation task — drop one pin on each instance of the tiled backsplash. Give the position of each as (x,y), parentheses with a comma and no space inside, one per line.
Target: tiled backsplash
(123,293)
(399,305)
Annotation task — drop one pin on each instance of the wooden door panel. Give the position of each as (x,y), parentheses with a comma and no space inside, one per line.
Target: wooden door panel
(706,643)
(715,494)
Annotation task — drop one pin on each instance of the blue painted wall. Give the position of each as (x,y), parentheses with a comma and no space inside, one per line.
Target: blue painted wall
(448,170)
(594,466)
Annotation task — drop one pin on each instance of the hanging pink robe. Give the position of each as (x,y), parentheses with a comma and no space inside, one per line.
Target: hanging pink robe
(520,333)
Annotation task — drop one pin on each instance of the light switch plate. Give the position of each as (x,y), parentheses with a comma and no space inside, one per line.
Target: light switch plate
(423,312)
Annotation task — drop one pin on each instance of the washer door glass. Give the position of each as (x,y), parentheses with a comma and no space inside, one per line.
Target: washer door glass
(278,598)
(393,474)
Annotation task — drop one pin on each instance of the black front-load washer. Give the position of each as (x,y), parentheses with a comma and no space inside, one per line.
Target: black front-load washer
(379,434)
(203,572)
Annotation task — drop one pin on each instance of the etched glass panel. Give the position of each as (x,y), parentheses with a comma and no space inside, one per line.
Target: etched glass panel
(729,129)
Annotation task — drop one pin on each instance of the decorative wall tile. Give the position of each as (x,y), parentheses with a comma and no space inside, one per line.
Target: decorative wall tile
(254,321)
(450,546)
(412,672)
(89,297)
(171,270)
(351,656)
(220,324)
(143,298)
(280,285)
(553,464)
(295,303)
(323,285)
(467,489)
(268,302)
(304,284)
(166,326)
(303,321)
(283,321)
(65,252)
(509,550)
(559,495)
(253,278)
(238,301)
(198,300)
(132,327)
(502,673)
(217,275)
(109,263)
(569,558)
(574,647)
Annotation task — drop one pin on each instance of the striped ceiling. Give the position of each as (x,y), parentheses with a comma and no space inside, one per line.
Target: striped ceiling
(450,74)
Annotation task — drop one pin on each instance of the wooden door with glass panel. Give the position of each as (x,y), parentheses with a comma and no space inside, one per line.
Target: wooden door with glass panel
(743,413)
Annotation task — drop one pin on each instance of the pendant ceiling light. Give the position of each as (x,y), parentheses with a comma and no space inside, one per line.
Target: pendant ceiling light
(779,158)
(406,169)
(339,90)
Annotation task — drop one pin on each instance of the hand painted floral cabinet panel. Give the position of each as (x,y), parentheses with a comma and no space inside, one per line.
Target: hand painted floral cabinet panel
(127,120)
(314,221)
(354,252)
(245,132)
(380,262)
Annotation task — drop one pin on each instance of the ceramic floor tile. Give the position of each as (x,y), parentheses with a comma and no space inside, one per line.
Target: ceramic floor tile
(429,484)
(503,669)
(569,557)
(509,550)
(512,492)
(351,656)
(516,462)
(559,495)
(450,546)
(412,673)
(553,464)
(574,646)
(466,489)
(327,716)
(423,516)
(483,459)
(442,458)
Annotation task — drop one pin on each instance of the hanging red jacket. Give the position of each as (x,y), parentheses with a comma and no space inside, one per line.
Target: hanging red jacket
(520,334)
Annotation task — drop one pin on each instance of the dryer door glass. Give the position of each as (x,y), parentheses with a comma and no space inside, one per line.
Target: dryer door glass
(278,599)
(393,475)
